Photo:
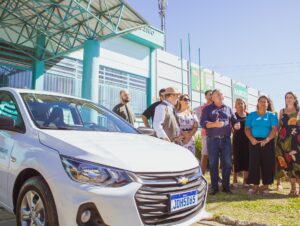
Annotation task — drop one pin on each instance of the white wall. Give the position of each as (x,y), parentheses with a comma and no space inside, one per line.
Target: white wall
(169,71)
(126,55)
(122,54)
(222,79)
(252,99)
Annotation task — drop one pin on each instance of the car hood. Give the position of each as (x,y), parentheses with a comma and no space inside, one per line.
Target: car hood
(133,152)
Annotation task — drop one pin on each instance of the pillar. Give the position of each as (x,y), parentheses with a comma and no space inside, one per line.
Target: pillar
(90,74)
(38,65)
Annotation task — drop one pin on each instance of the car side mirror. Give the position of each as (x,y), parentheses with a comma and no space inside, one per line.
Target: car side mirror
(146,131)
(7,123)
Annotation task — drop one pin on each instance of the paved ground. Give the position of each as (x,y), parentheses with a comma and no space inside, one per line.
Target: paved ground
(7,219)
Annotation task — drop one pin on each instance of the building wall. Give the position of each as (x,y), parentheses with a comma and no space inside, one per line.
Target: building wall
(170,73)
(122,54)
(141,69)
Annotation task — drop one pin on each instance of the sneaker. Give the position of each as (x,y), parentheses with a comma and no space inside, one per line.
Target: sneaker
(220,181)
(227,191)
(235,185)
(279,188)
(253,191)
(214,191)
(246,185)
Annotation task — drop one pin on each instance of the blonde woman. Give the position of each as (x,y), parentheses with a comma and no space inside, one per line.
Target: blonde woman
(188,122)
(240,144)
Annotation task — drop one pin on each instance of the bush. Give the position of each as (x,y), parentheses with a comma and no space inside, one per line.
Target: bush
(198,145)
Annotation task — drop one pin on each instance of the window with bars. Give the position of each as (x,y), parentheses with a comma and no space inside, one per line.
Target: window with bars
(65,76)
(111,81)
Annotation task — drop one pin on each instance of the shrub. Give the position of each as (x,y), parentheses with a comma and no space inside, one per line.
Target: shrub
(198,145)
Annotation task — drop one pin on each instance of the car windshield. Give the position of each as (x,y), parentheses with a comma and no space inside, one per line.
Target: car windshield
(66,113)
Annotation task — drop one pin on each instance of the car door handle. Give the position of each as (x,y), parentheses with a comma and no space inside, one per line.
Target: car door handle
(13,159)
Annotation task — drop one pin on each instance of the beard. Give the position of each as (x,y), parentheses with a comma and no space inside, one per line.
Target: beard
(126,101)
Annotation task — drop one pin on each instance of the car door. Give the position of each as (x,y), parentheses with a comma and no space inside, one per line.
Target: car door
(7,109)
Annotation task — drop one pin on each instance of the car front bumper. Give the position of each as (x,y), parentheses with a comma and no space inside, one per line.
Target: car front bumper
(116,206)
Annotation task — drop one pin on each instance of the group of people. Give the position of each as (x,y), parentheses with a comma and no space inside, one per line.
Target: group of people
(171,116)
(264,145)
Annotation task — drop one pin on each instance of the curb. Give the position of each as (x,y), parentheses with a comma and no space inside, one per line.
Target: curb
(232,222)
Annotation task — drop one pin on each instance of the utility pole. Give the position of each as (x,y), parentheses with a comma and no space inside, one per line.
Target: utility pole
(200,79)
(162,6)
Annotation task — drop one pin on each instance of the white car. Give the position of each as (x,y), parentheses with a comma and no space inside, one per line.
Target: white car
(67,161)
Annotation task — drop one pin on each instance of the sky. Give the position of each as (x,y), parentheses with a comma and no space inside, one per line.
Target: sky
(252,41)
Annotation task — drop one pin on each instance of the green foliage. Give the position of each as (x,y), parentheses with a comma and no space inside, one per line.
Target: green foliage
(198,145)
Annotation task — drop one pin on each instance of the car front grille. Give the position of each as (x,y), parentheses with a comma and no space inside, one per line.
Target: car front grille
(152,198)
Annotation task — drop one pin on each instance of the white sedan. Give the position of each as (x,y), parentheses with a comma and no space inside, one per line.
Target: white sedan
(67,161)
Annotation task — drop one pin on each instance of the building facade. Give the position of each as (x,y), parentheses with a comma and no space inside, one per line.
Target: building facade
(135,62)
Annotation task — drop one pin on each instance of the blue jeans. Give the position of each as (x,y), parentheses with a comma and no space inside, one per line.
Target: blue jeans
(219,148)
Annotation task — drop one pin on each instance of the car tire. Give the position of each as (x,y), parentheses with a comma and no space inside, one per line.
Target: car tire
(36,203)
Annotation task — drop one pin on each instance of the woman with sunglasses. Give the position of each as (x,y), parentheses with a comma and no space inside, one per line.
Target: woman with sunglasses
(188,122)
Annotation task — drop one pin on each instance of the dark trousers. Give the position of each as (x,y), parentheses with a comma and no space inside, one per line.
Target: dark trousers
(219,148)
(261,163)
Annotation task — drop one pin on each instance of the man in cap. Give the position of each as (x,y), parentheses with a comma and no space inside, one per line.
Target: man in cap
(123,109)
(165,122)
(150,111)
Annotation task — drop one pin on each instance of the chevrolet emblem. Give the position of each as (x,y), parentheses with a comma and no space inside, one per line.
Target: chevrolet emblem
(183,180)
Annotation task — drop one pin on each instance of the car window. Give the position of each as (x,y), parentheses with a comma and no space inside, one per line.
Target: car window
(67,117)
(8,108)
(92,117)
(56,112)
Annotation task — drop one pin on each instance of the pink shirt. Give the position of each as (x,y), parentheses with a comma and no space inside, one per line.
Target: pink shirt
(203,131)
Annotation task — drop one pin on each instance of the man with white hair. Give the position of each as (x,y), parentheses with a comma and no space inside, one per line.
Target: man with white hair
(218,119)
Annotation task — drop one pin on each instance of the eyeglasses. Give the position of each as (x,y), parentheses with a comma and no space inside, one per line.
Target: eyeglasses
(186,99)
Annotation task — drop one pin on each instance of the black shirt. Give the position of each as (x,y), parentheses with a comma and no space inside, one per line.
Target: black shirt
(125,112)
(149,112)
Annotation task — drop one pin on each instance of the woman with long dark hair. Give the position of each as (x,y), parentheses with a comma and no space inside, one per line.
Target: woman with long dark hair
(261,129)
(288,142)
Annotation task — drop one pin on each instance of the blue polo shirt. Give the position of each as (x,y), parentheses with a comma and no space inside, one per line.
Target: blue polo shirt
(261,126)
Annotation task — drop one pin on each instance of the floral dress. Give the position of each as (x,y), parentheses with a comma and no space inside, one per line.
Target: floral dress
(186,124)
(288,145)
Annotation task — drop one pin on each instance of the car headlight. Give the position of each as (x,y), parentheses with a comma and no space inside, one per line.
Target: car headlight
(91,173)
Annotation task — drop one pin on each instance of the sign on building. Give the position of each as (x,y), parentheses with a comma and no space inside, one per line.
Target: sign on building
(207,82)
(195,78)
(240,91)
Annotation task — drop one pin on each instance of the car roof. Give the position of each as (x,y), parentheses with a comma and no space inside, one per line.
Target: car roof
(18,90)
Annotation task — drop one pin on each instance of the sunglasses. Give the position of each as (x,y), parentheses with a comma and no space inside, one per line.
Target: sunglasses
(186,99)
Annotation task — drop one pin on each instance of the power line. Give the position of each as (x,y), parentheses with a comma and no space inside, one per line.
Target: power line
(256,65)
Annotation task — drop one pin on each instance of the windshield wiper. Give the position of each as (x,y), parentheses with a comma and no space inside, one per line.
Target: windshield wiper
(56,128)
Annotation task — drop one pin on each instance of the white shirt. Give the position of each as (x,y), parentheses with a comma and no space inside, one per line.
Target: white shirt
(159,118)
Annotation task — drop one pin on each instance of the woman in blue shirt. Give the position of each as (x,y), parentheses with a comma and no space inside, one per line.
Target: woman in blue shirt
(261,129)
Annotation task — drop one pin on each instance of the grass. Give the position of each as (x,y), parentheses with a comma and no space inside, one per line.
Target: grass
(272,209)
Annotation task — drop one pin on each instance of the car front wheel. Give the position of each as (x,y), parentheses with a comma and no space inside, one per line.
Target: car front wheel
(35,204)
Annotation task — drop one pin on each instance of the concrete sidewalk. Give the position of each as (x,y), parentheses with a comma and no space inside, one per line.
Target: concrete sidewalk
(7,219)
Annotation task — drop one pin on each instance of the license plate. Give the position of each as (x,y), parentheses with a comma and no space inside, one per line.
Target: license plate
(183,200)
